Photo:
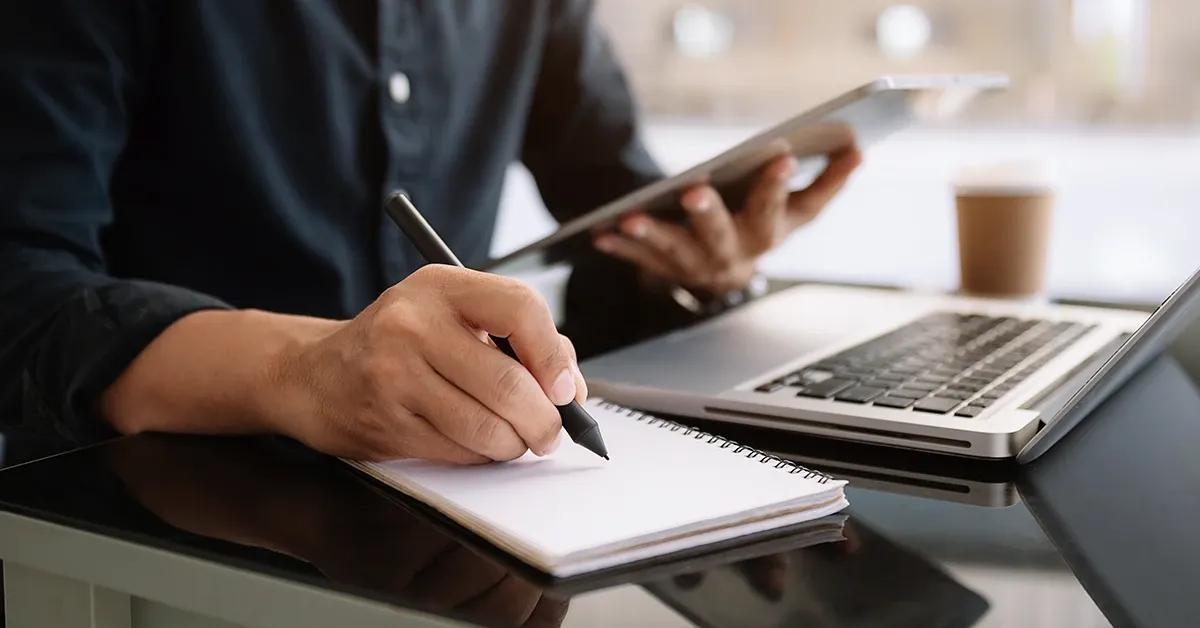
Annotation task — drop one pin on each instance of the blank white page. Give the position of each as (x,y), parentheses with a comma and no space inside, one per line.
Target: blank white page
(659,486)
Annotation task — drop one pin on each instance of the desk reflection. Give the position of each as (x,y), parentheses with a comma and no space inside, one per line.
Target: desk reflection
(258,493)
(236,491)
(984,483)
(865,581)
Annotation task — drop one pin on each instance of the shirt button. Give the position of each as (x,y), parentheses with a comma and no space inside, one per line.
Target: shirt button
(399,88)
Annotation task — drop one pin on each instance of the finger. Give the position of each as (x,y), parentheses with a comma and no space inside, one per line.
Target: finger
(549,613)
(804,205)
(502,388)
(581,391)
(854,541)
(509,603)
(672,242)
(411,545)
(511,309)
(421,440)
(637,254)
(711,223)
(454,578)
(390,568)
(689,581)
(466,421)
(762,216)
(767,575)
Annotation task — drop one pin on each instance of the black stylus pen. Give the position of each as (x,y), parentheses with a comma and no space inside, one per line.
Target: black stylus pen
(580,426)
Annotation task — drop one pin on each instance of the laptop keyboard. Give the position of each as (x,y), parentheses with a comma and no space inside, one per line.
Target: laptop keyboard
(943,363)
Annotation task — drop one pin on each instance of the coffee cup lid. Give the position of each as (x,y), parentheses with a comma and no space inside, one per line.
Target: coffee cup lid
(1008,178)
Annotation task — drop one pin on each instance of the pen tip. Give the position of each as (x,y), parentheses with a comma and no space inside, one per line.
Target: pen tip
(606,458)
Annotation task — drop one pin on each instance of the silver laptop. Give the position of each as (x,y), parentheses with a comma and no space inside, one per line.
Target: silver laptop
(957,375)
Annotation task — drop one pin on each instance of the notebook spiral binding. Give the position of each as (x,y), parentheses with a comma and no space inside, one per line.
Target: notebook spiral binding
(720,441)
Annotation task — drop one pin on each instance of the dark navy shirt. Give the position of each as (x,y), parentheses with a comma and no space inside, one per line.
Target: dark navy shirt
(163,156)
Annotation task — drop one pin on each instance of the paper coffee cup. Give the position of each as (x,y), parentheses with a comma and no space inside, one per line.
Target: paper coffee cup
(1004,214)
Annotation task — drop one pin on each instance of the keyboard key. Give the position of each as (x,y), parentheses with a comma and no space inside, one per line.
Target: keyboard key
(893,402)
(859,394)
(940,405)
(814,376)
(908,393)
(769,387)
(956,366)
(826,389)
(873,366)
(980,403)
(954,394)
(969,411)
(925,386)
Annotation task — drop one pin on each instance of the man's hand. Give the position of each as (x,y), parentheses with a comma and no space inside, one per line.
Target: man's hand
(413,375)
(717,251)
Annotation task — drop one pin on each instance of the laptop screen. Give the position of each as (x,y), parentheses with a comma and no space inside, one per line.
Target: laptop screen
(1179,311)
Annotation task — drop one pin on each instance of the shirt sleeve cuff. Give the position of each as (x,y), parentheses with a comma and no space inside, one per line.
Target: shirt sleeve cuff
(88,343)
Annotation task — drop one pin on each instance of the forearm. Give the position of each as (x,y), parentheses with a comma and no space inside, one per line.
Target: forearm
(213,372)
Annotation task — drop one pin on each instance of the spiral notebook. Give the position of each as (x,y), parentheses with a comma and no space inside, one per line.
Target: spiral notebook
(668,488)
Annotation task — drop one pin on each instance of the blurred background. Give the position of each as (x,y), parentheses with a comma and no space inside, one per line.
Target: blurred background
(1107,91)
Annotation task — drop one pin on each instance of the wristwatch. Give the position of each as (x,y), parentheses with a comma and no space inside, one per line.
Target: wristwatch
(756,287)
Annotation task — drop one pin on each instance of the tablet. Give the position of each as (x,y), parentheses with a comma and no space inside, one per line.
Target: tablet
(863,115)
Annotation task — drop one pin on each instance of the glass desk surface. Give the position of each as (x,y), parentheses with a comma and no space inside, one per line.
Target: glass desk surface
(1101,530)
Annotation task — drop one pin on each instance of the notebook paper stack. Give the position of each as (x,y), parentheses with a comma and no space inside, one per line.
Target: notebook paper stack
(667,488)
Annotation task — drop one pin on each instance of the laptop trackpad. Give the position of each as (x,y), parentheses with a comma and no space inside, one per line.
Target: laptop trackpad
(733,348)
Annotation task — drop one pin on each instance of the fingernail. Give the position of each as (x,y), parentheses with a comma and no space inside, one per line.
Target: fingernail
(604,244)
(789,167)
(699,201)
(562,391)
(637,228)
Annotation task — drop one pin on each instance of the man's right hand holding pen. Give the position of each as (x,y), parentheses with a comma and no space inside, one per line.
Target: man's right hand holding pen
(413,375)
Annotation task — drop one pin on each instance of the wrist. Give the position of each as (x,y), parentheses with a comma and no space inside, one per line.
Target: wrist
(283,395)
(703,302)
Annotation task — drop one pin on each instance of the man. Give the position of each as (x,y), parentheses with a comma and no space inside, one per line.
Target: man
(191,234)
